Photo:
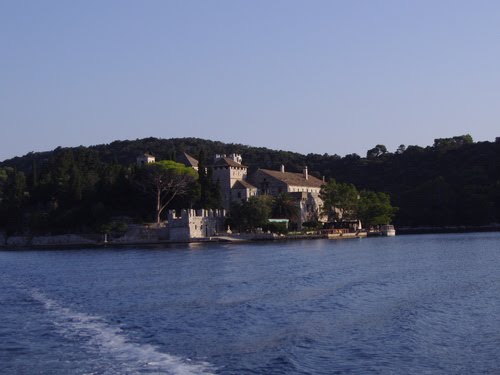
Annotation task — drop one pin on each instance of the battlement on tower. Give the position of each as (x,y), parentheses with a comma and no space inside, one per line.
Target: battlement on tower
(190,213)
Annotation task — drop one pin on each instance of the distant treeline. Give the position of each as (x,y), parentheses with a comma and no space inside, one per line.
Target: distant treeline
(453,182)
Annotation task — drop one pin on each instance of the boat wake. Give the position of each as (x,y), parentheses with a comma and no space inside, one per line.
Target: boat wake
(115,352)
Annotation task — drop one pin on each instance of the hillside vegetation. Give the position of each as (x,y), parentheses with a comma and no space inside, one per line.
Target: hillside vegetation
(453,182)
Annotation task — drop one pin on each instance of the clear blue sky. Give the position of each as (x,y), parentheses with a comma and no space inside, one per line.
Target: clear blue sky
(307,76)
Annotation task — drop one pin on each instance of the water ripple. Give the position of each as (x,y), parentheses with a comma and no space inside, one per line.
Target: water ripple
(117,353)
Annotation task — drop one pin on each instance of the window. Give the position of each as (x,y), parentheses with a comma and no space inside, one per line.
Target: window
(239,194)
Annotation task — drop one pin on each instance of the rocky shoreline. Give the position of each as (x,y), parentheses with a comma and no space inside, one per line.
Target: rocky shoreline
(73,241)
(89,241)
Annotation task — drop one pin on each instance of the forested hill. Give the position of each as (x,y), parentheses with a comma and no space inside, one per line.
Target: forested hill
(125,153)
(453,182)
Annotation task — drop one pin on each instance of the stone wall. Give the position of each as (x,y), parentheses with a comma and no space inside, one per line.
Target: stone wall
(242,195)
(195,224)
(63,239)
(143,233)
(222,175)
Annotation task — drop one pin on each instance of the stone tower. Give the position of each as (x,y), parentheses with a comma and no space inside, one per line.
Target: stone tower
(228,170)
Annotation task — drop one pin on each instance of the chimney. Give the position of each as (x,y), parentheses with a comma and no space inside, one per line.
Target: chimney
(306,174)
(324,179)
(282,169)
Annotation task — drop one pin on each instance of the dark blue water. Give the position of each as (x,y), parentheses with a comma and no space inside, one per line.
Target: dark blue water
(403,305)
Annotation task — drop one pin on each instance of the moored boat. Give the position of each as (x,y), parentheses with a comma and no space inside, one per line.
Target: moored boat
(387,230)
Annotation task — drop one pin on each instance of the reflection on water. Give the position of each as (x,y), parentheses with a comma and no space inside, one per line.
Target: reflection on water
(409,304)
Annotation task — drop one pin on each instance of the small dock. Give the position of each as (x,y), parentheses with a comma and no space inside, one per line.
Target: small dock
(338,234)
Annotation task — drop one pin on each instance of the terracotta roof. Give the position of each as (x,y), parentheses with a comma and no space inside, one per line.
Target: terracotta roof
(147,155)
(242,184)
(222,162)
(294,179)
(187,160)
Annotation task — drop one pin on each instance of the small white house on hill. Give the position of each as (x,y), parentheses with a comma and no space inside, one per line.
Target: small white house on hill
(145,159)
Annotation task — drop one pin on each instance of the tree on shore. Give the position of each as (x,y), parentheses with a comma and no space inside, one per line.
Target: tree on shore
(375,208)
(344,202)
(209,190)
(253,213)
(285,207)
(454,182)
(12,197)
(340,201)
(165,180)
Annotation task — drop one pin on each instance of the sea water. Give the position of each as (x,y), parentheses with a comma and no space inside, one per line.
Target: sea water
(402,305)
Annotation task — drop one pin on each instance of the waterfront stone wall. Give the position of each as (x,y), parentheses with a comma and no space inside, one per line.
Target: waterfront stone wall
(195,224)
(136,233)
(63,239)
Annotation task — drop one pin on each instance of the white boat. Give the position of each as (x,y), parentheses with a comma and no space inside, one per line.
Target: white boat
(387,230)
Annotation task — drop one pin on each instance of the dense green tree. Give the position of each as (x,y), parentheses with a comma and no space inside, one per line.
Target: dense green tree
(448,143)
(204,182)
(215,193)
(375,208)
(14,189)
(13,195)
(208,190)
(34,175)
(254,213)
(3,179)
(165,180)
(401,149)
(190,199)
(75,184)
(453,182)
(340,200)
(284,206)
(496,197)
(343,202)
(377,151)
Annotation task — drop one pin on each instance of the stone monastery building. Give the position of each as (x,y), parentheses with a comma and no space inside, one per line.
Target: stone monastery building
(237,186)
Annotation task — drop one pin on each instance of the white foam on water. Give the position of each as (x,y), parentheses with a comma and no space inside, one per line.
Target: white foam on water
(112,342)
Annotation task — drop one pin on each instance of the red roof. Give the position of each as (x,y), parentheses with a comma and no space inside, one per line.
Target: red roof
(242,184)
(225,161)
(187,160)
(293,179)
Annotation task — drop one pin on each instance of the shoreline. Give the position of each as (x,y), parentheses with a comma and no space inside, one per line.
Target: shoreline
(234,240)
(153,244)
(448,229)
